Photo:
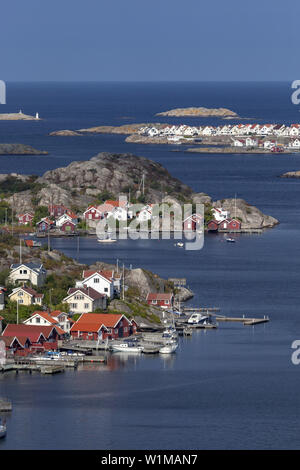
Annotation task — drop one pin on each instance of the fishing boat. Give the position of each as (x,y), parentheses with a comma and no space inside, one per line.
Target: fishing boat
(2,429)
(127,347)
(169,347)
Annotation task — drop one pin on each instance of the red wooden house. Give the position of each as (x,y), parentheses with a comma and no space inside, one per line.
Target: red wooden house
(213,225)
(192,222)
(56,210)
(26,218)
(68,227)
(230,225)
(94,326)
(92,213)
(164,300)
(41,337)
(14,345)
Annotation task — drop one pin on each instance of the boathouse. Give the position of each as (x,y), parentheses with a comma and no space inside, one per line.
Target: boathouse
(163,300)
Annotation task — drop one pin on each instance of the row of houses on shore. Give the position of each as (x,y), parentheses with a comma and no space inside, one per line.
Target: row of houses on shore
(167,130)
(119,210)
(122,211)
(43,331)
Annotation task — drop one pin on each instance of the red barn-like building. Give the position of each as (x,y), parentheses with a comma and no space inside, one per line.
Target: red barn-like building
(213,225)
(94,326)
(160,300)
(230,224)
(41,337)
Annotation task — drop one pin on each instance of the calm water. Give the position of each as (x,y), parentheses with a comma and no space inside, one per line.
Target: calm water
(234,387)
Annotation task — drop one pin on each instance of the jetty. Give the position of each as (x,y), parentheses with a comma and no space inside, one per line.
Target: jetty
(5,404)
(245,320)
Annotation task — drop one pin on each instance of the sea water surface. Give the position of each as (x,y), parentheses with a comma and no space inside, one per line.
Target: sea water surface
(233,387)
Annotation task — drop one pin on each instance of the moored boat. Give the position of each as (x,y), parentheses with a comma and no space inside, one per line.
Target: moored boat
(2,430)
(127,347)
(169,348)
(198,318)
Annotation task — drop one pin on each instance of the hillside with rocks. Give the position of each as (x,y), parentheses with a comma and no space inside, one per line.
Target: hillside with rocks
(85,182)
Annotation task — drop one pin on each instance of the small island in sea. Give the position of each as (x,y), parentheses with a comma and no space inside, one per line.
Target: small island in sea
(20,149)
(199,112)
(20,116)
(291,174)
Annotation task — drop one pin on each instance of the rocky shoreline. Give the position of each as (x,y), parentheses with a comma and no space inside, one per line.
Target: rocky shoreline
(245,150)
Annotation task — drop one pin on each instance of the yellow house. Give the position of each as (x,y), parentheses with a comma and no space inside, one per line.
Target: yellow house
(26,296)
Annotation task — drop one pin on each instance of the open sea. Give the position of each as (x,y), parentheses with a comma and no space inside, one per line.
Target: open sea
(230,388)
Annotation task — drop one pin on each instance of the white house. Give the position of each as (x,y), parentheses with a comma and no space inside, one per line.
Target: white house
(145,213)
(220,214)
(28,272)
(294,143)
(85,300)
(98,280)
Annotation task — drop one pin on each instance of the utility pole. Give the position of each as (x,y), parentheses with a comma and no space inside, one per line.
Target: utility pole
(48,238)
(123,284)
(20,251)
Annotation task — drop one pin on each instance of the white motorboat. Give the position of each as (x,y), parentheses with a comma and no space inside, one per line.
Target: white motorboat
(106,240)
(230,240)
(180,244)
(198,318)
(170,334)
(127,347)
(169,348)
(2,430)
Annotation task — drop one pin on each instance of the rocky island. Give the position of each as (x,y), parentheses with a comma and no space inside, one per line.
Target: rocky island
(199,112)
(20,149)
(108,175)
(291,174)
(18,117)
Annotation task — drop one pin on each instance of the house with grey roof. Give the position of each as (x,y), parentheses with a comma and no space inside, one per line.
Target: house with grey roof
(23,273)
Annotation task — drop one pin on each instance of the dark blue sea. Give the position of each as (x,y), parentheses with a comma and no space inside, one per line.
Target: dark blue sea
(231,388)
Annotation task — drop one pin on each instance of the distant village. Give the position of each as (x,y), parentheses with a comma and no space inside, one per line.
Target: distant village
(62,220)
(242,135)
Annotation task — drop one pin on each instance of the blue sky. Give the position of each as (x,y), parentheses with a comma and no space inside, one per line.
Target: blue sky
(149,40)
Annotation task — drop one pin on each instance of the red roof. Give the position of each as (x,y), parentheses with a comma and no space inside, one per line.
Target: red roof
(32,332)
(115,203)
(44,315)
(92,322)
(8,340)
(159,296)
(106,274)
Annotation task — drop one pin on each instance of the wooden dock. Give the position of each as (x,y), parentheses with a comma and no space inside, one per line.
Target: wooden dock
(5,404)
(95,359)
(51,369)
(245,320)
